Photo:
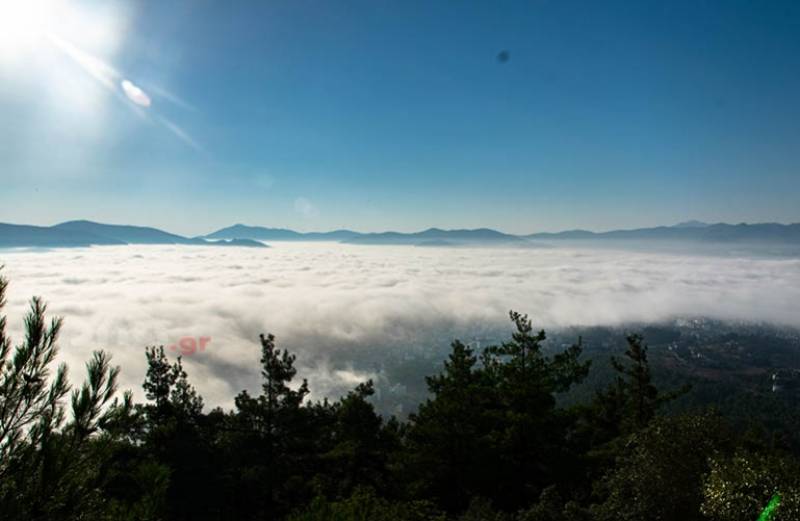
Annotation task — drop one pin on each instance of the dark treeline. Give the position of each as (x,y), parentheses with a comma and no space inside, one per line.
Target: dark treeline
(490,443)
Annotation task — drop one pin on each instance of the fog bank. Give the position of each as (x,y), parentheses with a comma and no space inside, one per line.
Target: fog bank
(349,310)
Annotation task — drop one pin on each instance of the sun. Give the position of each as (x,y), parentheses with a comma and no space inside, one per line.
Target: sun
(51,45)
(29,26)
(24,25)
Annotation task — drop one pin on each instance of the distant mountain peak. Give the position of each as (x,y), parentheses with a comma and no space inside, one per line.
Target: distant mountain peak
(260,233)
(691,224)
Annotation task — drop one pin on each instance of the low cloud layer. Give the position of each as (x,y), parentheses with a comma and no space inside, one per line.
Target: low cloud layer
(346,310)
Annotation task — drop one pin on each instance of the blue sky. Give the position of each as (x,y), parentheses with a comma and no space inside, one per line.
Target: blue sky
(375,115)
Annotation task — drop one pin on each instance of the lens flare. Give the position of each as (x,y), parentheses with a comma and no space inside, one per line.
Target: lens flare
(769,511)
(135,94)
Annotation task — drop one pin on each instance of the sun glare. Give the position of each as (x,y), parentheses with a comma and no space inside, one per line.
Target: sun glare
(54,44)
(30,26)
(23,25)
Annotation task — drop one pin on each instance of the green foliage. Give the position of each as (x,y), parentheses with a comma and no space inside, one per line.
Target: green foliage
(274,437)
(481,509)
(358,448)
(168,430)
(277,370)
(624,408)
(137,492)
(659,473)
(48,464)
(491,428)
(552,507)
(632,400)
(447,446)
(739,486)
(30,403)
(167,385)
(364,505)
(642,395)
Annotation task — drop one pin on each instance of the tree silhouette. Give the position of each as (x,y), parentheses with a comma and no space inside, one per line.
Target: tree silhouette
(48,464)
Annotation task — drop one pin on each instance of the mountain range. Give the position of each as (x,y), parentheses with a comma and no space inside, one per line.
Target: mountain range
(259,233)
(88,233)
(432,236)
(685,231)
(690,231)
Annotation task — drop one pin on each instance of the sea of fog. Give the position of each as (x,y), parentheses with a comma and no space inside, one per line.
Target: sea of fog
(352,312)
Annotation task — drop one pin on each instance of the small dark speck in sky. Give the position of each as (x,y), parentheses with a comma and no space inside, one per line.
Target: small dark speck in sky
(503,56)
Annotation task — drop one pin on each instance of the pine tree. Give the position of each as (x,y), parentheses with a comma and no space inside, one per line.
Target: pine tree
(633,399)
(359,445)
(50,467)
(173,435)
(274,432)
(445,440)
(167,385)
(491,427)
(643,398)
(531,431)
